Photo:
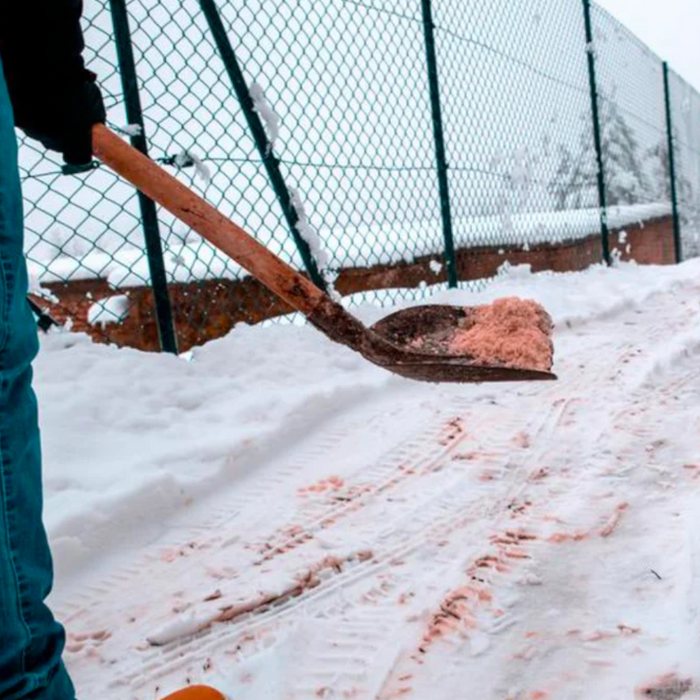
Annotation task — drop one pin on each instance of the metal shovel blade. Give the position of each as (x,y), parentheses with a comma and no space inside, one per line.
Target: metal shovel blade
(421,337)
(413,343)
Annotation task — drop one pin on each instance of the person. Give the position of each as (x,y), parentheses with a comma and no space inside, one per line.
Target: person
(47,92)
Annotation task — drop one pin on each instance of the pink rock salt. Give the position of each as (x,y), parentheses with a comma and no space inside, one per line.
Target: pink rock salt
(511,331)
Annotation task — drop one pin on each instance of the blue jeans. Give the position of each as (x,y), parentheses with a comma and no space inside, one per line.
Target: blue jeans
(31,641)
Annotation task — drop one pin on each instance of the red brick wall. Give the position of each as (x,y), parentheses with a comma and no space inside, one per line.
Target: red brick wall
(207,310)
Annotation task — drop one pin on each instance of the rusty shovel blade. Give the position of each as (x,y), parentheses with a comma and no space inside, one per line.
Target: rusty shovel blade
(391,344)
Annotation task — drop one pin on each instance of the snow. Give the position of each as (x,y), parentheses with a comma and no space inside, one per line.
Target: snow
(308,233)
(270,118)
(188,258)
(325,529)
(98,255)
(131,129)
(111,310)
(187,159)
(436,267)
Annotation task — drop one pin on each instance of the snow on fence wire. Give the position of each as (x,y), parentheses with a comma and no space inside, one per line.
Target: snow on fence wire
(382,146)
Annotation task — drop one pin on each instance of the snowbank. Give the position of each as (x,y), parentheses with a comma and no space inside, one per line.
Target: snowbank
(128,434)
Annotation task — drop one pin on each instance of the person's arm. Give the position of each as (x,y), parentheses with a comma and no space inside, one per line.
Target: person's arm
(55,99)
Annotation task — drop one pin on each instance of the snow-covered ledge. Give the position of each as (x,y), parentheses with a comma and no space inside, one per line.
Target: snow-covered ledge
(209,297)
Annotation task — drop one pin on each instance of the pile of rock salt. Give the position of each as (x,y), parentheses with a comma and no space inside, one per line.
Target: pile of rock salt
(510,331)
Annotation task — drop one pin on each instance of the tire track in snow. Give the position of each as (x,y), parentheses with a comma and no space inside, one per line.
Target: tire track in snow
(455,615)
(417,525)
(598,643)
(411,460)
(236,512)
(440,516)
(446,437)
(420,529)
(572,388)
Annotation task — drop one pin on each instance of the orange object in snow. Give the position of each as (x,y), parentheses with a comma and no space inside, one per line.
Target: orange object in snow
(196,692)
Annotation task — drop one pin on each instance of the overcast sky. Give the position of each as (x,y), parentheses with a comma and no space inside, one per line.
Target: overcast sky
(670,27)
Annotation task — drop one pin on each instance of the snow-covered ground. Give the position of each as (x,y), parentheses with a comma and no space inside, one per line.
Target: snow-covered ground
(277,518)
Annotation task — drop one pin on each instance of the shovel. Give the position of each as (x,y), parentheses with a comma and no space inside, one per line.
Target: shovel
(391,343)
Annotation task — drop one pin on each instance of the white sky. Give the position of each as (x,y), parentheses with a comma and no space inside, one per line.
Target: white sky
(670,27)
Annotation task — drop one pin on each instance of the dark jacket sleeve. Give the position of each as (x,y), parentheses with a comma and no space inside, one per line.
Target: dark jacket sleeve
(41,45)
(53,95)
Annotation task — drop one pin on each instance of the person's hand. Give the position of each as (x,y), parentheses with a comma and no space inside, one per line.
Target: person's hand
(66,120)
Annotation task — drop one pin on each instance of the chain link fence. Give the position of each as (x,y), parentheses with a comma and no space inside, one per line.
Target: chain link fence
(633,123)
(685,108)
(384,147)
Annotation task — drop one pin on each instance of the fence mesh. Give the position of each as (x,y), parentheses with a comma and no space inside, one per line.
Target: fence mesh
(517,119)
(685,108)
(355,136)
(343,90)
(630,86)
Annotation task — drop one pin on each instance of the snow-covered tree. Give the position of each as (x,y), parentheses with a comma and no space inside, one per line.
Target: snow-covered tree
(661,176)
(660,170)
(688,201)
(626,180)
(575,182)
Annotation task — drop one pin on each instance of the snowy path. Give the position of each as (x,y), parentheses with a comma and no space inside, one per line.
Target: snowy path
(522,542)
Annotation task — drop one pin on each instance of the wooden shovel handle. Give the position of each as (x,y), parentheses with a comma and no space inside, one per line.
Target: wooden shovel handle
(203,218)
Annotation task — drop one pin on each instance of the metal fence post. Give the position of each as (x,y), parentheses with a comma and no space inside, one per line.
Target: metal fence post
(269,159)
(672,168)
(149,214)
(439,137)
(597,136)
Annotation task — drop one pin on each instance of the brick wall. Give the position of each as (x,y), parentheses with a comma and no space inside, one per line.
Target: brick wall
(207,310)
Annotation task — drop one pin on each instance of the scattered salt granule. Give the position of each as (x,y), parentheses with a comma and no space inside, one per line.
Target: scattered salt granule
(511,331)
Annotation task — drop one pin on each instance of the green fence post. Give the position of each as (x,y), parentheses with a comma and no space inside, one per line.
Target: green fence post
(672,168)
(439,137)
(597,137)
(149,214)
(269,159)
